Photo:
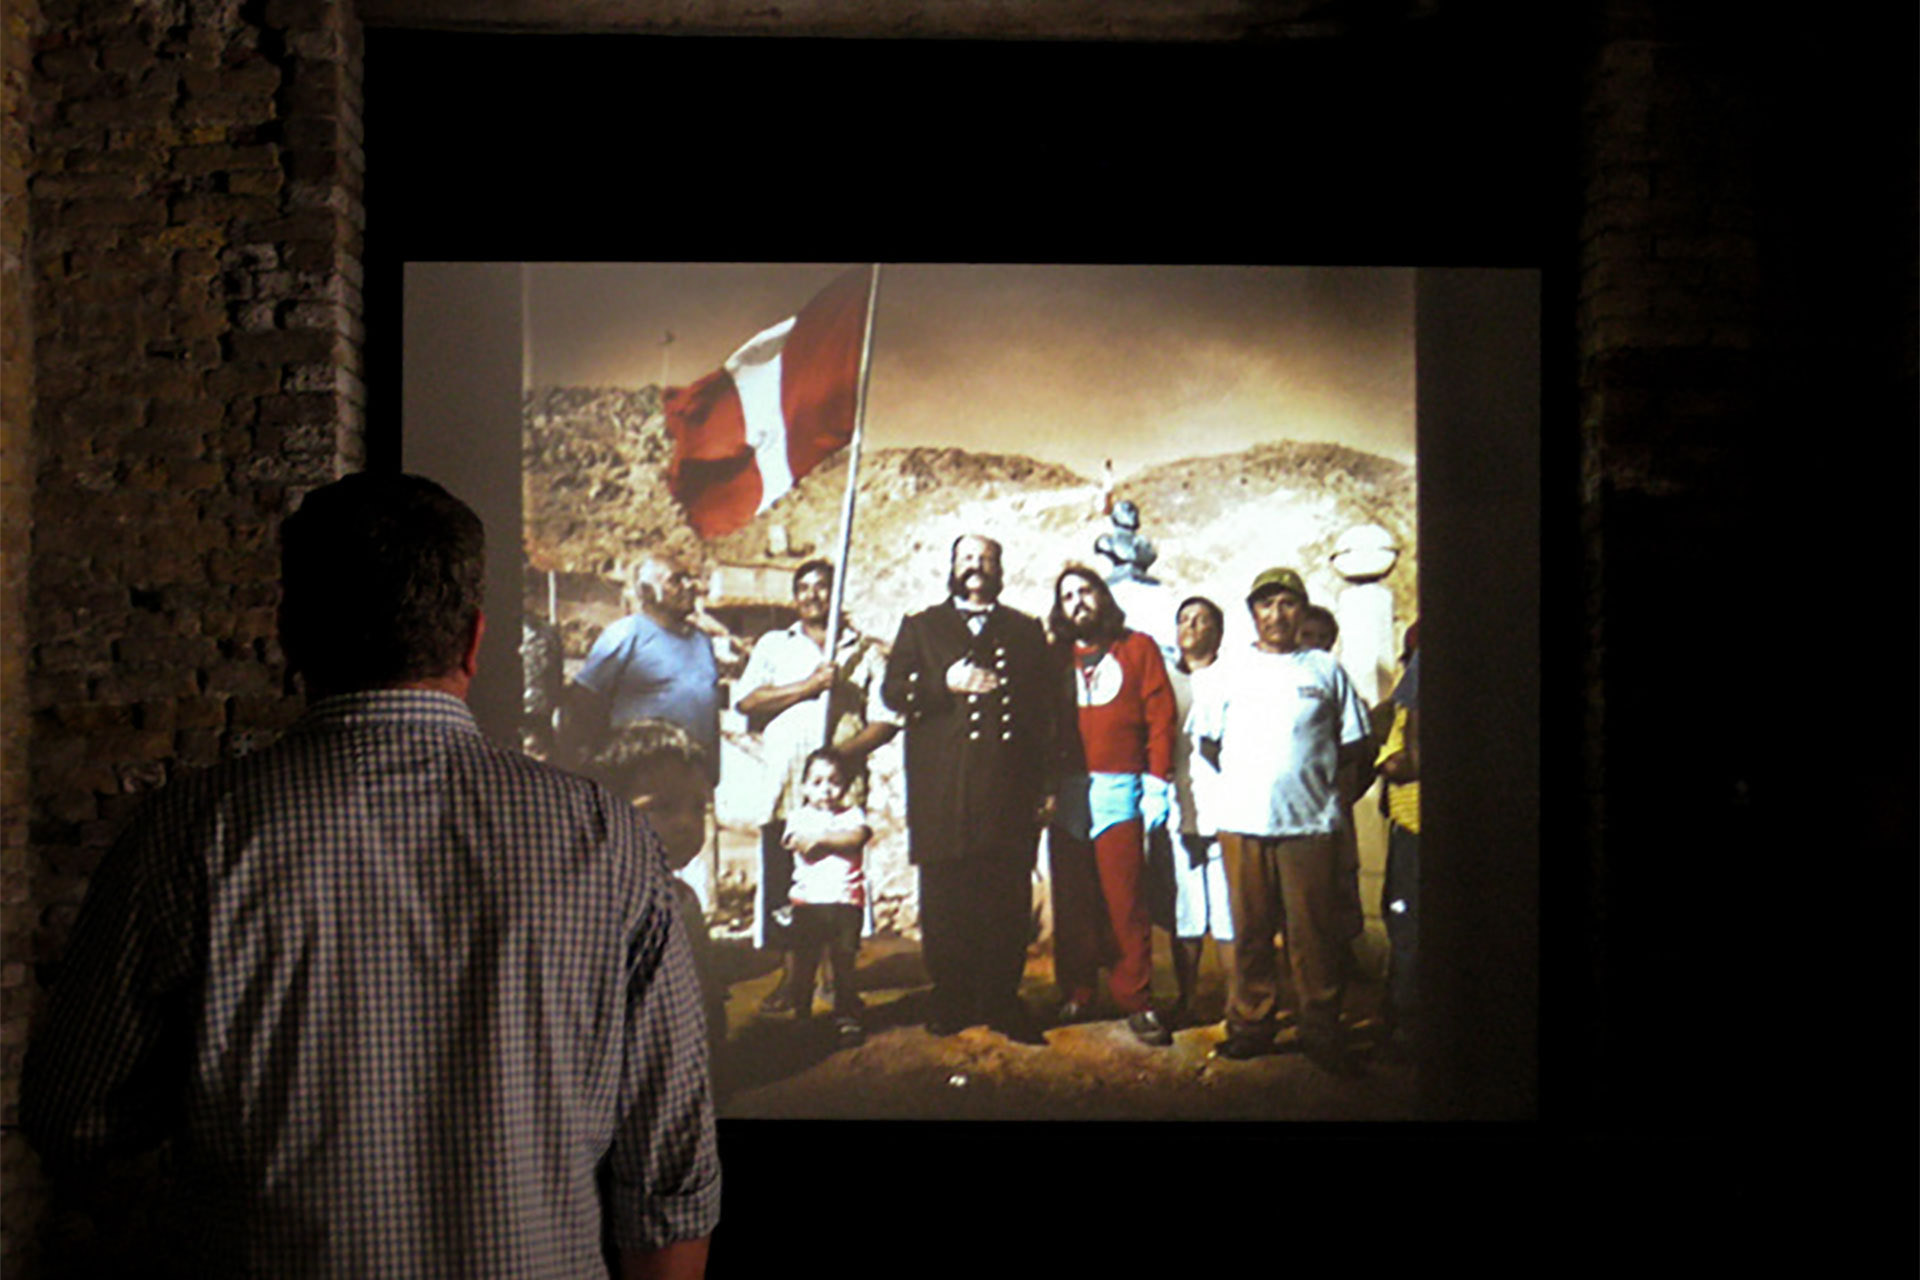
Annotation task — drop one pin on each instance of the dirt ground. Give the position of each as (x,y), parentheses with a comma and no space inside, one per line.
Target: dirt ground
(776,1068)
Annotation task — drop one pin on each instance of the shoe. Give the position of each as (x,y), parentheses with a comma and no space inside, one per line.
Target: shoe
(1017,1025)
(1072,1011)
(848,1032)
(1242,1045)
(779,1001)
(1148,1029)
(1330,1056)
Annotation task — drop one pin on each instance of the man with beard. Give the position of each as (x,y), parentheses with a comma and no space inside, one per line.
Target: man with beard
(1116,785)
(1278,721)
(782,688)
(656,664)
(971,679)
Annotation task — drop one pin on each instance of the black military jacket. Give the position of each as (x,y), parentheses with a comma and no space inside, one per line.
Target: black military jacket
(977,764)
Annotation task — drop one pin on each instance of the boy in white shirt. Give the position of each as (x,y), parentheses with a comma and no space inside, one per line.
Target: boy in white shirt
(828,836)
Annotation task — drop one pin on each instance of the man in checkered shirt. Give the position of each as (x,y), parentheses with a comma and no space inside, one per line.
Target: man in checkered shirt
(404,1002)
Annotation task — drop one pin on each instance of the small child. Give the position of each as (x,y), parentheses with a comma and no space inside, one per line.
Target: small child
(828,837)
(657,767)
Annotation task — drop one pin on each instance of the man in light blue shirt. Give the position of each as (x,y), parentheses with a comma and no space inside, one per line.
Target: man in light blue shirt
(652,665)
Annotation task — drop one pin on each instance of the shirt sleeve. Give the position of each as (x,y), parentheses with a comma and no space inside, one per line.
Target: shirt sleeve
(1157,701)
(1407,692)
(872,677)
(1207,717)
(663,1169)
(910,688)
(1355,724)
(612,651)
(759,671)
(106,1072)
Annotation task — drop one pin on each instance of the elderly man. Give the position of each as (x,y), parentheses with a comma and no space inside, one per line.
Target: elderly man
(405,1002)
(656,664)
(1116,785)
(1278,721)
(791,688)
(973,682)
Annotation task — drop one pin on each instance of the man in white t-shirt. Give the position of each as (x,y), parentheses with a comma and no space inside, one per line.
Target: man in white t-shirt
(1277,721)
(787,692)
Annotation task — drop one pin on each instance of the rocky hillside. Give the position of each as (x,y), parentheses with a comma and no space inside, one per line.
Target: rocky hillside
(596,498)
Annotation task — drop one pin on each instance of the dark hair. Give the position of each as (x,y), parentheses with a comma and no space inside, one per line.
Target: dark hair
(1060,628)
(382,576)
(819,564)
(1219,618)
(633,750)
(953,548)
(999,552)
(843,764)
(1321,613)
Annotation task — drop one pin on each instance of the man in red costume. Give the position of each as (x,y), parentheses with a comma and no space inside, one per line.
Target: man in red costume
(1117,773)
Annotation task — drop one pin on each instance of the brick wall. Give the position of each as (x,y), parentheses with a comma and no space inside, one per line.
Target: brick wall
(18,1173)
(1746,395)
(194,194)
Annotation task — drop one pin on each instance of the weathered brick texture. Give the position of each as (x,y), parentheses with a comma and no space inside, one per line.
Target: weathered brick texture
(186,366)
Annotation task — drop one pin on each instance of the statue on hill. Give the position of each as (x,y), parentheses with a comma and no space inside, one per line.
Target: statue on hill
(1130,553)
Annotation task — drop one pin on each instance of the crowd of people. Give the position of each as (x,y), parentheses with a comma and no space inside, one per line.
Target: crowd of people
(1213,794)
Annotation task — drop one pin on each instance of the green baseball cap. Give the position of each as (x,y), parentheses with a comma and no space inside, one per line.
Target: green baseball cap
(1277,580)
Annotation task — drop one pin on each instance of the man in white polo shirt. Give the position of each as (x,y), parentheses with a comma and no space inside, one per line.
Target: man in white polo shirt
(1278,721)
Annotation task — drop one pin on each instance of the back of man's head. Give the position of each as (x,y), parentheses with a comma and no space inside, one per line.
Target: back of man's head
(382,578)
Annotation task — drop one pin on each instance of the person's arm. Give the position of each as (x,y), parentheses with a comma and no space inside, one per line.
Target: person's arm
(681,1260)
(1354,768)
(661,1174)
(1162,713)
(849,839)
(1353,772)
(910,686)
(770,700)
(106,1070)
(1404,764)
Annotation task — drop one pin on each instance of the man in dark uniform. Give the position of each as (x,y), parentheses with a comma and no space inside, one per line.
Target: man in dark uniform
(972,681)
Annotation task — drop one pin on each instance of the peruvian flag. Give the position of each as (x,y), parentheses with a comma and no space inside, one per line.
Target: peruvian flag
(746,432)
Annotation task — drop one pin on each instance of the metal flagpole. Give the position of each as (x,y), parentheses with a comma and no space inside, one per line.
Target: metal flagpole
(846,503)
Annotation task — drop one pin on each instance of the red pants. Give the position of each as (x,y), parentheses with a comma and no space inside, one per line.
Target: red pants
(1100,915)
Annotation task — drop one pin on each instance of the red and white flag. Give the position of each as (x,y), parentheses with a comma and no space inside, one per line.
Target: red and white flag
(771,413)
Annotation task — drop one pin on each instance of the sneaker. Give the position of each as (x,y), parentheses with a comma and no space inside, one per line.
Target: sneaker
(848,1032)
(1148,1029)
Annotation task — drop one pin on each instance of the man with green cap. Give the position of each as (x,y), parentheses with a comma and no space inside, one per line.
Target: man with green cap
(1277,723)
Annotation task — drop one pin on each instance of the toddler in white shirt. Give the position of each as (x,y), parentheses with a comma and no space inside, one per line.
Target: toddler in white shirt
(828,837)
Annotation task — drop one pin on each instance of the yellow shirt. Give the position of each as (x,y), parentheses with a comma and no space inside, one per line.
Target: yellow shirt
(1403,798)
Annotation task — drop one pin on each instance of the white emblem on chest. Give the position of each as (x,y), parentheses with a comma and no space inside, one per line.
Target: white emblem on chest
(1101,685)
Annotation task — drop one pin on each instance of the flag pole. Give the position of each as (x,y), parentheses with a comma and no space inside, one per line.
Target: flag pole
(846,502)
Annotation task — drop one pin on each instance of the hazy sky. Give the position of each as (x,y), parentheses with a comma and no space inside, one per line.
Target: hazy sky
(1072,364)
